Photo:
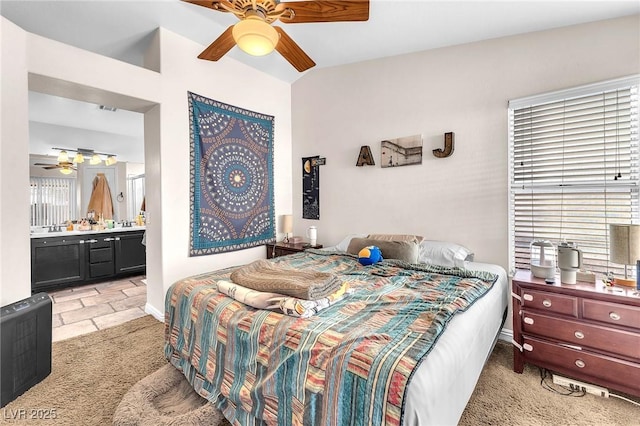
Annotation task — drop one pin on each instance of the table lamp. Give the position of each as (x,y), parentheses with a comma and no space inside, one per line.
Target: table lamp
(287,226)
(624,246)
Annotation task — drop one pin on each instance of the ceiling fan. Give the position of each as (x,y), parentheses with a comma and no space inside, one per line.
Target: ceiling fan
(66,167)
(255,35)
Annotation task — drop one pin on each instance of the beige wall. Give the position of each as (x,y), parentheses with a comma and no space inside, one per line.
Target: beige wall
(36,63)
(463,89)
(15,271)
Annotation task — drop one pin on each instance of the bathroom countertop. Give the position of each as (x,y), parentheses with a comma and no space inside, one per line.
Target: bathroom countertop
(44,233)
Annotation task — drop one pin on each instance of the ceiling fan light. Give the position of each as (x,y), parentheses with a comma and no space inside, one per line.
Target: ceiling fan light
(79,158)
(63,156)
(95,159)
(66,170)
(111,160)
(254,36)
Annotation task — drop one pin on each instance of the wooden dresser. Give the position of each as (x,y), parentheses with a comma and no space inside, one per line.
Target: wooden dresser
(283,249)
(585,331)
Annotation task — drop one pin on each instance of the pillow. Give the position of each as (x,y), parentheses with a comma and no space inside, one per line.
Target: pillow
(406,251)
(396,237)
(344,244)
(444,253)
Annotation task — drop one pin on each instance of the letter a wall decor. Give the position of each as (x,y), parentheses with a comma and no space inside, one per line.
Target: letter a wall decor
(232,204)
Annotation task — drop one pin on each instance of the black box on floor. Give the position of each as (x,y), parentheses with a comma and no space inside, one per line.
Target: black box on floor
(25,339)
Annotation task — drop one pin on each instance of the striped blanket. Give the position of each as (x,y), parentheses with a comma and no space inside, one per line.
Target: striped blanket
(348,365)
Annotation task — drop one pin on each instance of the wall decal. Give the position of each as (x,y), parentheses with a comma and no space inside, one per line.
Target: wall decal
(310,188)
(401,151)
(365,157)
(232,204)
(448,146)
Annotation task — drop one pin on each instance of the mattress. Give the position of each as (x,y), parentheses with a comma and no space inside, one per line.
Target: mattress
(443,383)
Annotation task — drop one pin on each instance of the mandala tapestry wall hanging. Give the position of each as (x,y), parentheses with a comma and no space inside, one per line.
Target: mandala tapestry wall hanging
(231,177)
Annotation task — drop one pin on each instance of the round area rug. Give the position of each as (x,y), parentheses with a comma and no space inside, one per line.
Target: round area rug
(165,398)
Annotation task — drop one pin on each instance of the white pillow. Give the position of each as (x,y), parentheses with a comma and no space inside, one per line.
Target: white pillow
(444,253)
(344,244)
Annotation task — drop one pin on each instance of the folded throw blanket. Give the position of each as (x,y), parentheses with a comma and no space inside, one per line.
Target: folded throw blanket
(263,275)
(288,305)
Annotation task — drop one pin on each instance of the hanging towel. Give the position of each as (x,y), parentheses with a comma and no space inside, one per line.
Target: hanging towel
(100,201)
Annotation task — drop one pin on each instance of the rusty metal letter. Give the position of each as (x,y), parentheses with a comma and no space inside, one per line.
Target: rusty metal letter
(448,146)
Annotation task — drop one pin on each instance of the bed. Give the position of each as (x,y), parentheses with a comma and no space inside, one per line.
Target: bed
(405,346)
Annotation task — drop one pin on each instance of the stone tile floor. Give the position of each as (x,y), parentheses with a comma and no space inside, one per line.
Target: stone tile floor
(81,310)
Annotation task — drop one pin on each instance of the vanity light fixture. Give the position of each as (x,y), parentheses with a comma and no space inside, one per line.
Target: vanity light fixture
(82,153)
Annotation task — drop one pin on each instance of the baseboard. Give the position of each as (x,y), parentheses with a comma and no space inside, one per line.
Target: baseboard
(506,335)
(154,312)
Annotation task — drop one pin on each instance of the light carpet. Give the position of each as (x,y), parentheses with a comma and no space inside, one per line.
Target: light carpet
(91,374)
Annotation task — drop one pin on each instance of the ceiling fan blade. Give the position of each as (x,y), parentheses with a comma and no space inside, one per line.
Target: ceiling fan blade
(290,50)
(44,164)
(326,11)
(222,5)
(219,47)
(52,167)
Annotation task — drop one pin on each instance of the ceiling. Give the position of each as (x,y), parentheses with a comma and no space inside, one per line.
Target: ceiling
(122,29)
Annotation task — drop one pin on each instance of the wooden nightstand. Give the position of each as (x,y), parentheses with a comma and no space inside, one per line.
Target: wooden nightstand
(585,331)
(283,249)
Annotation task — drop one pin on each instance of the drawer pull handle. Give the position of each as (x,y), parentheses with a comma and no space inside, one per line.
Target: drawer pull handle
(579,335)
(614,316)
(580,363)
(546,303)
(528,320)
(527,347)
(527,297)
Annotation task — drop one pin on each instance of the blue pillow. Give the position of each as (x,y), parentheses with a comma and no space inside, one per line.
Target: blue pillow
(369,255)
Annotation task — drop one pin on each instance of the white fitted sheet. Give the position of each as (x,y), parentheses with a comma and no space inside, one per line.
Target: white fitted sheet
(443,383)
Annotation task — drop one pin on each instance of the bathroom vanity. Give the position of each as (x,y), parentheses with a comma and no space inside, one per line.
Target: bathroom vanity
(73,258)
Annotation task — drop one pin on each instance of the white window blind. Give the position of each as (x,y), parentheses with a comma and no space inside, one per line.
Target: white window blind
(574,169)
(53,201)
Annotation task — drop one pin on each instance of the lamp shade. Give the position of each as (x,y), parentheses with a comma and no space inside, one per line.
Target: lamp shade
(95,159)
(624,244)
(287,223)
(255,36)
(79,158)
(63,157)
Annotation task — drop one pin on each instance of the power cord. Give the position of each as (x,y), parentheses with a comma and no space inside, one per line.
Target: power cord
(623,398)
(546,382)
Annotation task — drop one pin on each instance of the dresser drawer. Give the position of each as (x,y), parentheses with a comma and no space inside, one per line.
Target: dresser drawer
(550,302)
(98,255)
(611,313)
(584,364)
(612,340)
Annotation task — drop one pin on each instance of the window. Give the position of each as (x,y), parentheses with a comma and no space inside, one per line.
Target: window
(573,169)
(135,187)
(53,201)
